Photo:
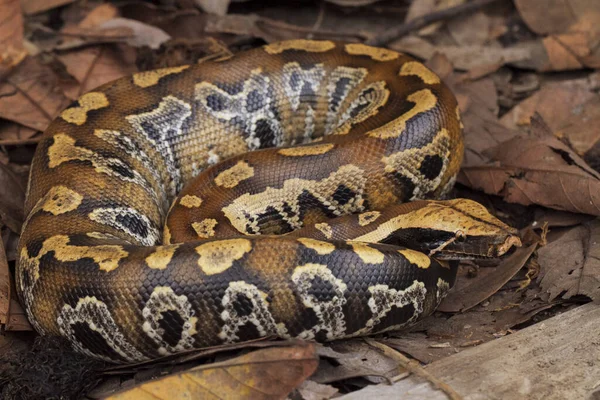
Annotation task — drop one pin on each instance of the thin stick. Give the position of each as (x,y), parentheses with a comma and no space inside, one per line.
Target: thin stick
(427,19)
(414,367)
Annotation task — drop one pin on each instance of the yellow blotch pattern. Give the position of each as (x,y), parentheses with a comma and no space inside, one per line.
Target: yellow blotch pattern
(206,228)
(311,46)
(418,69)
(233,176)
(306,150)
(190,201)
(216,257)
(319,246)
(161,257)
(87,102)
(424,100)
(151,78)
(367,253)
(416,257)
(376,53)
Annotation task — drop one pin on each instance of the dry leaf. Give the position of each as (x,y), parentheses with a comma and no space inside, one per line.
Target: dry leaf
(11,35)
(556,102)
(99,15)
(4,286)
(570,262)
(12,198)
(310,390)
(37,6)
(418,8)
(482,287)
(12,133)
(218,7)
(30,95)
(462,57)
(143,34)
(354,358)
(263,374)
(470,30)
(554,16)
(94,66)
(538,170)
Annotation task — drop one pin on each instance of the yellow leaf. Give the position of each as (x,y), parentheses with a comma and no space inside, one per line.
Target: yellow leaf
(264,374)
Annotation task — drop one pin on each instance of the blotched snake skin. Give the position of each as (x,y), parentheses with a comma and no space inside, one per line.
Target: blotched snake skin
(344,133)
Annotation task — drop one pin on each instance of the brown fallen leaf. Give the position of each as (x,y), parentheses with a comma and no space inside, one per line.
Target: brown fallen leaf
(570,262)
(99,15)
(463,57)
(483,286)
(11,35)
(554,16)
(4,286)
(30,95)
(12,133)
(559,104)
(12,198)
(538,169)
(310,390)
(573,29)
(37,6)
(142,34)
(94,66)
(263,374)
(353,358)
(418,8)
(218,7)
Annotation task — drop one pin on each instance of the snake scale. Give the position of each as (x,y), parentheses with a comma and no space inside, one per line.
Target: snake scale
(311,173)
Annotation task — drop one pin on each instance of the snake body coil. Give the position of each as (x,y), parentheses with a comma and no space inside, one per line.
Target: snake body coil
(340,128)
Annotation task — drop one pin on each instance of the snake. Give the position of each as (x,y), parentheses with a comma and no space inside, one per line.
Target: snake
(295,190)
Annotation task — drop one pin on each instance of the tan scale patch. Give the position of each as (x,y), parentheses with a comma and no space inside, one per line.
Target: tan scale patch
(151,78)
(366,218)
(206,228)
(233,176)
(60,200)
(87,102)
(458,117)
(319,246)
(367,253)
(416,257)
(325,229)
(424,100)
(106,256)
(166,235)
(311,46)
(218,256)
(418,69)
(376,53)
(307,150)
(190,201)
(161,257)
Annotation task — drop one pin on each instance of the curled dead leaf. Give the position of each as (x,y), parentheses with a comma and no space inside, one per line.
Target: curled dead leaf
(30,95)
(570,262)
(482,287)
(263,374)
(537,170)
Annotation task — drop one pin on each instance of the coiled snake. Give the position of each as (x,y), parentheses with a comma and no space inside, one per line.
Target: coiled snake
(343,133)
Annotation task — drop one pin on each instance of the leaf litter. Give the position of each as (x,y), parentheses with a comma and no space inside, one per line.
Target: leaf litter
(532,158)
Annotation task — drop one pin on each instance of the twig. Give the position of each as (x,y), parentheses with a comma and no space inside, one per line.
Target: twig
(425,20)
(20,142)
(414,367)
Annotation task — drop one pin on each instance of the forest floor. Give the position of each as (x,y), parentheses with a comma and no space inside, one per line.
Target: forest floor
(526,74)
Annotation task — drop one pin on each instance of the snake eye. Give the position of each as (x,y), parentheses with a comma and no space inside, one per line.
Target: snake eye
(460,236)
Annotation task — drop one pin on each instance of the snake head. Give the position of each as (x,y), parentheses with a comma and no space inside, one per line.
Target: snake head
(454,230)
